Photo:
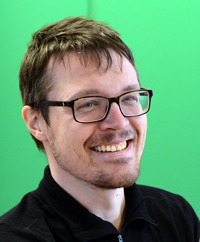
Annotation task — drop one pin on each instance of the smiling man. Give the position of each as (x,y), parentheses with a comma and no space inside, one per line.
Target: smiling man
(85,108)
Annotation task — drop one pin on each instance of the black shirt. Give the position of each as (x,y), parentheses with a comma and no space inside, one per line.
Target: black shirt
(52,215)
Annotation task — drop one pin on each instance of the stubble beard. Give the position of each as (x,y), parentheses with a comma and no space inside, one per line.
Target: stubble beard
(98,177)
(104,180)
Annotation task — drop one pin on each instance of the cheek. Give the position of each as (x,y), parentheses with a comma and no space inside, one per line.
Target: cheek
(139,124)
(76,135)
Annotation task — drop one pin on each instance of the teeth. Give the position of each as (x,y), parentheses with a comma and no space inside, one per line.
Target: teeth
(111,148)
(108,148)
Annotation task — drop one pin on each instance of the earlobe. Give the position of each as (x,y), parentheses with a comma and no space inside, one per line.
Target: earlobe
(32,120)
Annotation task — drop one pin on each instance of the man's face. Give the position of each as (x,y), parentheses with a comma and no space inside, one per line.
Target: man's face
(72,148)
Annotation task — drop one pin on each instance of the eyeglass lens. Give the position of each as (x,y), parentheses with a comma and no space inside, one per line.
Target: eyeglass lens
(90,109)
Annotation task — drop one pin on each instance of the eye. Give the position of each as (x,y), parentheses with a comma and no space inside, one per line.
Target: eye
(129,99)
(86,105)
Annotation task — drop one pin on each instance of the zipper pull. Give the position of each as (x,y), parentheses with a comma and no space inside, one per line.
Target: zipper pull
(120,238)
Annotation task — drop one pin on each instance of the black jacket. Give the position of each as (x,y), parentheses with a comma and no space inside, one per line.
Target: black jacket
(52,215)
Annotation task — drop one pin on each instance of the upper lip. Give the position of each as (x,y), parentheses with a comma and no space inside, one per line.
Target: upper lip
(113,138)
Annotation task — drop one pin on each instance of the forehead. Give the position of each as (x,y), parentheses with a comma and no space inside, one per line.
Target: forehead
(72,77)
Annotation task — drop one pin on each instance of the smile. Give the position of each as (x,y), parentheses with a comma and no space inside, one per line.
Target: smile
(111,148)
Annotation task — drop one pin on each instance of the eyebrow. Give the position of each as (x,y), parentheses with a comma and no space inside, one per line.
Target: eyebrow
(83,93)
(89,92)
(131,88)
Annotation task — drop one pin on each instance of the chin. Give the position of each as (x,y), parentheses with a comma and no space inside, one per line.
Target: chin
(125,180)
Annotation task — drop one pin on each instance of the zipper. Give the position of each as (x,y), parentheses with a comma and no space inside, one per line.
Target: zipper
(120,238)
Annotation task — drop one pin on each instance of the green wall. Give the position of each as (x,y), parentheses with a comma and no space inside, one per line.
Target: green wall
(164,36)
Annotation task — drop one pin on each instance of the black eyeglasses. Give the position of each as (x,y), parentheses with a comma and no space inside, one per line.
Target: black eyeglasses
(92,109)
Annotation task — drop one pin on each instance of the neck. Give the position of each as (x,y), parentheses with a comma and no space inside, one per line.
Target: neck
(108,204)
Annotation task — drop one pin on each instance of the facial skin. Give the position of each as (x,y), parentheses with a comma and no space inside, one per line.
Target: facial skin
(70,146)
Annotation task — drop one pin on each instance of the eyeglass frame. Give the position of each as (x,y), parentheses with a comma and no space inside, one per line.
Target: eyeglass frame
(110,101)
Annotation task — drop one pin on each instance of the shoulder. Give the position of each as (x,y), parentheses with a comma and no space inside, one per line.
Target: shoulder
(169,209)
(25,222)
(163,198)
(25,210)
(156,194)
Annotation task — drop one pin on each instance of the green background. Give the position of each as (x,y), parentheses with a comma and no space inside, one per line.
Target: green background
(164,36)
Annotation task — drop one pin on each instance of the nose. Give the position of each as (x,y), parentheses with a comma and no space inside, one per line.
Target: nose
(115,120)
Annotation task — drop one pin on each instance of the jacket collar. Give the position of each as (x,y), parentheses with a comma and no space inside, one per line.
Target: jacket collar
(83,224)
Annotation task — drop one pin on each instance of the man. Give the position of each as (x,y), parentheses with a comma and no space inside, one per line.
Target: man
(85,108)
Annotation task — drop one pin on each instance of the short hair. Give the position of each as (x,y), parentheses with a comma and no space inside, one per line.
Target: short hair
(82,36)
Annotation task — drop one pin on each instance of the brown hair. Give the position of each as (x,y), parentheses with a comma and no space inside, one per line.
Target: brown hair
(76,35)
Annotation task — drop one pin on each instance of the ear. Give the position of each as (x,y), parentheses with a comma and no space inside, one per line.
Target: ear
(33,121)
